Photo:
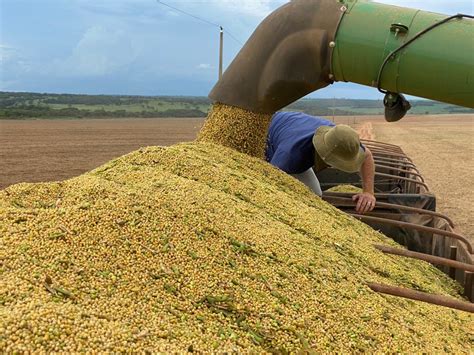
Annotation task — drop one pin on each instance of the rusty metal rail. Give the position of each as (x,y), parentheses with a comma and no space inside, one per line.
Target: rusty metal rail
(389,215)
(415,227)
(396,164)
(394,160)
(423,297)
(397,177)
(389,145)
(383,149)
(408,172)
(378,142)
(377,152)
(350,194)
(379,146)
(436,260)
(347,202)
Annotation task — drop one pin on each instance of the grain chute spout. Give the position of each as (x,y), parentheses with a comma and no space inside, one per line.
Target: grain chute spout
(286,58)
(308,44)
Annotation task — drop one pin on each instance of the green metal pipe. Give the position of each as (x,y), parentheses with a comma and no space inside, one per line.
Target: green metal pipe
(439,65)
(307,45)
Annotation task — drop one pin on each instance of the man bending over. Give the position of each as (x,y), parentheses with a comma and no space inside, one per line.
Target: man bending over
(297,142)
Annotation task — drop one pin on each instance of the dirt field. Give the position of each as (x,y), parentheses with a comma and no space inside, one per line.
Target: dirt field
(31,151)
(442,147)
(45,150)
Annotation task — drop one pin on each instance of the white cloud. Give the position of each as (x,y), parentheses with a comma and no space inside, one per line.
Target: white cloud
(7,85)
(101,51)
(213,10)
(117,6)
(7,53)
(204,66)
(256,8)
(12,63)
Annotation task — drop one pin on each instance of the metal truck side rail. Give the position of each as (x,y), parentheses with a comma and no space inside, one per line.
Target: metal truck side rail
(397,177)
(388,154)
(393,160)
(347,202)
(387,146)
(408,172)
(416,227)
(436,260)
(394,146)
(350,194)
(399,164)
(423,297)
(381,148)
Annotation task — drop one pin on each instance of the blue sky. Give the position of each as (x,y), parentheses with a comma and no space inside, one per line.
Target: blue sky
(138,47)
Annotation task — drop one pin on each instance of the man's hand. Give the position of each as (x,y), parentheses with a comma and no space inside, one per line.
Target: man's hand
(365,202)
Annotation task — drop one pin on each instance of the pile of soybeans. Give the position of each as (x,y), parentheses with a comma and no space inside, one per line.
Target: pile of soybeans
(200,248)
(346,189)
(236,128)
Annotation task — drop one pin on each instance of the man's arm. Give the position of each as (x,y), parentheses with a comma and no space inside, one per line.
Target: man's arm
(366,200)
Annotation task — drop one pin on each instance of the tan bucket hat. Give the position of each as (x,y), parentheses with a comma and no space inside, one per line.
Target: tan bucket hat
(339,147)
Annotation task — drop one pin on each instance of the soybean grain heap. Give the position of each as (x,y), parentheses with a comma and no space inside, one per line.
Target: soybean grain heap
(197,247)
(236,128)
(346,188)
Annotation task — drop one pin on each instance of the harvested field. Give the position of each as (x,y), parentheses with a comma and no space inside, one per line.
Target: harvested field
(51,150)
(442,147)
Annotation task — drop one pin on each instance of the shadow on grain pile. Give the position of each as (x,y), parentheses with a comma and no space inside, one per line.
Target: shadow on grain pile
(197,247)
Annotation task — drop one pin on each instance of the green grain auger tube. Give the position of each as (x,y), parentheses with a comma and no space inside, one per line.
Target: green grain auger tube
(307,45)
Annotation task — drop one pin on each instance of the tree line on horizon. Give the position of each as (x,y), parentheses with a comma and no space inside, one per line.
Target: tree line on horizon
(14,105)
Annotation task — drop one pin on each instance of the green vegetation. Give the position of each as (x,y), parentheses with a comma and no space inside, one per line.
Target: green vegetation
(33,105)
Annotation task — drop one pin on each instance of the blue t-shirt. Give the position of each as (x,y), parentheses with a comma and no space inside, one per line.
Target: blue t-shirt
(290,141)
